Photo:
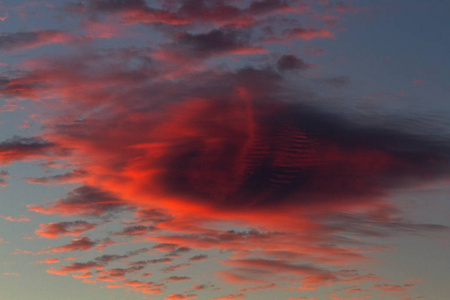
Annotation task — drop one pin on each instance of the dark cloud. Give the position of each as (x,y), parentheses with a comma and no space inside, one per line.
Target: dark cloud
(208,10)
(108,258)
(288,152)
(216,41)
(81,244)
(174,268)
(266,6)
(200,257)
(31,39)
(3,176)
(75,267)
(136,230)
(84,201)
(178,278)
(163,260)
(58,179)
(182,12)
(18,148)
(133,11)
(337,82)
(291,62)
(109,5)
(379,224)
(57,230)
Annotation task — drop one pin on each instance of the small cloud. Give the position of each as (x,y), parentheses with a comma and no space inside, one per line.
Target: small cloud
(200,257)
(290,63)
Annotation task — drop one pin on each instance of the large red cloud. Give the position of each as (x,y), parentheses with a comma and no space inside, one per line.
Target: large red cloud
(208,157)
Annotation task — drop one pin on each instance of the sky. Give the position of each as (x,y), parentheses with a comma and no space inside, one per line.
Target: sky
(228,150)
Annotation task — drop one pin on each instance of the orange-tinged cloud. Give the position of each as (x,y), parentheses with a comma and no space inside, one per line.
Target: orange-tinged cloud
(206,154)
(57,230)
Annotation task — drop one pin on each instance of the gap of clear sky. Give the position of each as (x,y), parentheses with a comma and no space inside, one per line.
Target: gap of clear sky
(212,149)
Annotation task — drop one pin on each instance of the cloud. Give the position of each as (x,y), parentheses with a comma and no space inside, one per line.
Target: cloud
(305,34)
(134,11)
(200,257)
(231,297)
(136,230)
(31,39)
(196,142)
(3,176)
(393,288)
(163,260)
(337,82)
(21,148)
(57,230)
(69,177)
(83,201)
(22,218)
(178,278)
(216,42)
(49,261)
(80,244)
(174,296)
(108,5)
(75,268)
(291,62)
(176,13)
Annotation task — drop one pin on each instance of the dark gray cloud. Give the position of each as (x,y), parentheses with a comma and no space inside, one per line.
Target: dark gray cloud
(84,201)
(18,148)
(216,41)
(291,62)
(107,5)
(30,39)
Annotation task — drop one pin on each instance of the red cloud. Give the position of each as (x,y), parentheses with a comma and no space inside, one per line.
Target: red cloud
(32,39)
(83,201)
(198,150)
(307,34)
(75,268)
(19,148)
(180,297)
(49,261)
(84,244)
(57,230)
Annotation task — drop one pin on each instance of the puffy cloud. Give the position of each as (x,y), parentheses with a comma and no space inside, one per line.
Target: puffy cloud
(75,267)
(20,148)
(57,230)
(83,201)
(83,244)
(290,62)
(136,230)
(194,148)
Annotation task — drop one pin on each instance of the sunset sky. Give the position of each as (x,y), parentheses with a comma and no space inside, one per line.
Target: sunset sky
(224,149)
